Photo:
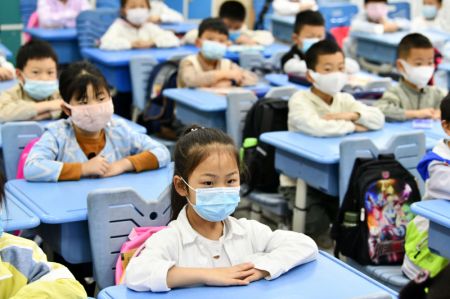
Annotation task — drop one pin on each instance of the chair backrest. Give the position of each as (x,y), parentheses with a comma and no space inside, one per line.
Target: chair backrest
(92,24)
(111,216)
(408,149)
(401,10)
(238,104)
(251,59)
(140,69)
(338,14)
(15,136)
(258,6)
(284,92)
(27,7)
(107,4)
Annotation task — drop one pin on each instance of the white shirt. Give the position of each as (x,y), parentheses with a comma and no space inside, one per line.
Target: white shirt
(166,14)
(306,111)
(437,184)
(120,36)
(291,8)
(243,241)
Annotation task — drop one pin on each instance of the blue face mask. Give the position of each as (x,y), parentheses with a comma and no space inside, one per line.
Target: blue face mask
(215,204)
(234,35)
(213,50)
(40,89)
(307,43)
(429,12)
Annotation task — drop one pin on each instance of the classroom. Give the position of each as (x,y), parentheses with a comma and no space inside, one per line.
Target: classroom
(225,148)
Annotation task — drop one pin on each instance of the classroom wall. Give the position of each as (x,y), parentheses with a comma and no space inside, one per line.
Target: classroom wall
(10,25)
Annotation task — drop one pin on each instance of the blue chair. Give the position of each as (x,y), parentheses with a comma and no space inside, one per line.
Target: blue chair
(92,24)
(408,149)
(111,216)
(15,136)
(258,6)
(400,10)
(108,4)
(338,14)
(27,8)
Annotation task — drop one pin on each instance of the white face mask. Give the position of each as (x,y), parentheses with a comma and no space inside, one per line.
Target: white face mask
(417,75)
(137,16)
(331,83)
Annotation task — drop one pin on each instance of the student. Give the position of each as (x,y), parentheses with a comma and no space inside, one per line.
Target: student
(323,110)
(431,13)
(435,171)
(233,15)
(90,143)
(203,243)
(293,7)
(412,97)
(60,13)
(133,31)
(7,69)
(161,13)
(208,68)
(35,96)
(25,271)
(374,19)
(309,28)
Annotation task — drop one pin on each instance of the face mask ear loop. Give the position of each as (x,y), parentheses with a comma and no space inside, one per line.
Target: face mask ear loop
(189,188)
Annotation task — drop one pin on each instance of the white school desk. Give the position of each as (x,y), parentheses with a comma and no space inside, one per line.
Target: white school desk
(382,48)
(179,28)
(324,278)
(62,206)
(438,212)
(204,107)
(16,216)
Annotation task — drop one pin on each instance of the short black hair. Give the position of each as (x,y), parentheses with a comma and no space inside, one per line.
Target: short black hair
(232,10)
(34,49)
(308,17)
(324,47)
(124,2)
(212,24)
(413,41)
(445,108)
(75,79)
(368,1)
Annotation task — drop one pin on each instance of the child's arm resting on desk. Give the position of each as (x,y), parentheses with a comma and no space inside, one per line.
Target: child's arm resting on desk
(370,117)
(162,38)
(247,78)
(116,37)
(193,79)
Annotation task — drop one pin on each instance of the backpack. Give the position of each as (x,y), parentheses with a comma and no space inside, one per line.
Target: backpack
(266,115)
(159,111)
(373,217)
(23,157)
(132,247)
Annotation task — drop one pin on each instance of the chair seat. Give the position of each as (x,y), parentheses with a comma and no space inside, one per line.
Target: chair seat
(274,202)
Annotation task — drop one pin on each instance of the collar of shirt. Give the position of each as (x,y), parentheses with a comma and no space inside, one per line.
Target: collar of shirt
(189,235)
(410,89)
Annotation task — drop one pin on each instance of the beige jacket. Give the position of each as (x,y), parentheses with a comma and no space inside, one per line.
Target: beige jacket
(16,104)
(194,74)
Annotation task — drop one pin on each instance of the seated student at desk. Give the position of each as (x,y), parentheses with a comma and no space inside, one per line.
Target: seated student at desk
(90,143)
(203,243)
(233,15)
(430,17)
(435,171)
(412,97)
(161,13)
(293,7)
(25,271)
(60,13)
(325,111)
(132,30)
(208,68)
(36,96)
(309,28)
(7,70)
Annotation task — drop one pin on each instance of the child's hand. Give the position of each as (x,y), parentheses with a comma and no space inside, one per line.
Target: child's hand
(359,128)
(235,275)
(154,19)
(5,74)
(236,75)
(390,26)
(257,275)
(142,44)
(46,106)
(425,113)
(118,167)
(437,114)
(245,40)
(96,166)
(348,116)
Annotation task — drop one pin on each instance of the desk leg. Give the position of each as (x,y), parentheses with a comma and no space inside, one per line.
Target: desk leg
(299,213)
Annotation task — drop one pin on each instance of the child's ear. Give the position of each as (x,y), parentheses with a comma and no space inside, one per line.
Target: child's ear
(295,38)
(198,42)
(309,77)
(180,186)
(446,126)
(66,110)
(399,66)
(19,75)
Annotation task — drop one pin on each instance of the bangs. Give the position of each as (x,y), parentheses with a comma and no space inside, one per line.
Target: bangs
(78,88)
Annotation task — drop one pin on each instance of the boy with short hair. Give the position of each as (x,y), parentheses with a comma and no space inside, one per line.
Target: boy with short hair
(412,97)
(309,28)
(208,68)
(36,96)
(374,19)
(430,17)
(233,15)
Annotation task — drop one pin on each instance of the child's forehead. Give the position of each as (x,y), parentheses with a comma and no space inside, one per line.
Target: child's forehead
(213,34)
(420,53)
(45,62)
(137,3)
(218,159)
(335,58)
(309,29)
